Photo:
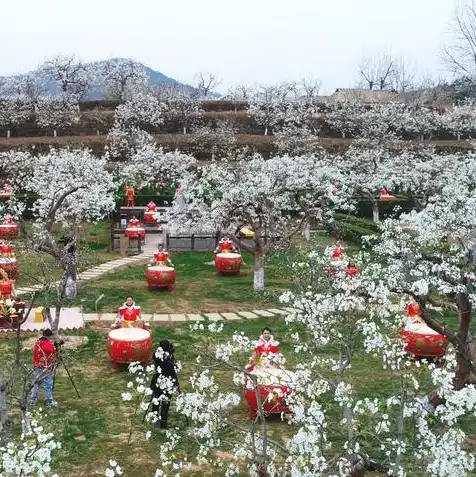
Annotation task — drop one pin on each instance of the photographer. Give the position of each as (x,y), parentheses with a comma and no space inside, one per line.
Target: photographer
(44,356)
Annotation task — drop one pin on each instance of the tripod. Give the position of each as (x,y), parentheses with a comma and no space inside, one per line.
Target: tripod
(59,359)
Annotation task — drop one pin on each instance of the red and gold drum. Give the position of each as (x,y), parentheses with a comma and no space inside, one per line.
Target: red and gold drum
(135,233)
(272,389)
(151,217)
(127,345)
(228,262)
(160,276)
(10,266)
(8,231)
(423,342)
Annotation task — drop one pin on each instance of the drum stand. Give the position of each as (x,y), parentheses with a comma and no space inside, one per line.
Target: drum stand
(59,360)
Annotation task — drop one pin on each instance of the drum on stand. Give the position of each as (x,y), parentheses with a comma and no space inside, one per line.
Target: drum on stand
(424,342)
(228,262)
(9,264)
(127,345)
(8,231)
(160,276)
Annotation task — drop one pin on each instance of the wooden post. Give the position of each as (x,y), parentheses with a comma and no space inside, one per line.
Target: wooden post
(167,241)
(192,244)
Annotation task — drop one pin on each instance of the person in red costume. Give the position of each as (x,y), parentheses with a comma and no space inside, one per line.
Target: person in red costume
(130,196)
(129,311)
(265,346)
(338,251)
(351,270)
(161,258)
(44,355)
(225,245)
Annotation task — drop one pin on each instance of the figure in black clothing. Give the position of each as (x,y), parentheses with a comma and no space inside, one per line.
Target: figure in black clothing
(164,382)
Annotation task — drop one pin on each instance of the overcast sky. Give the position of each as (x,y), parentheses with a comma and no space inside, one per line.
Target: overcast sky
(241,41)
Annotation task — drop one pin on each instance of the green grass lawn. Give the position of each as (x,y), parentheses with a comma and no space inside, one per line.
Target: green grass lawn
(199,288)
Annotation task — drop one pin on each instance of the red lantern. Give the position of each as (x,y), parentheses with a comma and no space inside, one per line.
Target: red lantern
(160,276)
(228,262)
(127,345)
(337,252)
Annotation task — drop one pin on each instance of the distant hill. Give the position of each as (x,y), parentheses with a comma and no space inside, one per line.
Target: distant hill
(155,78)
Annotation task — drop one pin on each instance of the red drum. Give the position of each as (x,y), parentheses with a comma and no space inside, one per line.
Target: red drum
(151,217)
(8,231)
(228,262)
(273,391)
(160,276)
(6,288)
(135,233)
(423,342)
(10,266)
(127,345)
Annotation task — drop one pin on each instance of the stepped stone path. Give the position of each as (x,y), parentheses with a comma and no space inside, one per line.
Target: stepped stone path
(182,317)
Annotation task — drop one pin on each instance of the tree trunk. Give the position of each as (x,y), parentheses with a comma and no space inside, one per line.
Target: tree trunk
(375,212)
(97,132)
(307,232)
(8,133)
(266,131)
(459,137)
(258,273)
(343,135)
(463,375)
(185,129)
(5,420)
(55,134)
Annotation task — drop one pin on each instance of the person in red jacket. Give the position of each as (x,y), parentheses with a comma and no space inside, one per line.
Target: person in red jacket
(44,355)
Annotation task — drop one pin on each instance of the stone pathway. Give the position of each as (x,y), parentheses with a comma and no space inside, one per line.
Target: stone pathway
(147,252)
(183,317)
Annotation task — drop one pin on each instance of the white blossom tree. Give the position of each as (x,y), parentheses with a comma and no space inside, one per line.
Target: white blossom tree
(13,112)
(218,140)
(275,198)
(269,104)
(152,166)
(122,78)
(57,113)
(184,110)
(72,76)
(461,119)
(71,186)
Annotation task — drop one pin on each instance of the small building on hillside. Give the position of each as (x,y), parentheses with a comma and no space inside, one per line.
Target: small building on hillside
(366,96)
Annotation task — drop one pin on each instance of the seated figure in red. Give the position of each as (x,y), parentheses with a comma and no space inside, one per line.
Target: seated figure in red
(134,222)
(338,251)
(225,245)
(265,346)
(351,270)
(129,311)
(161,258)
